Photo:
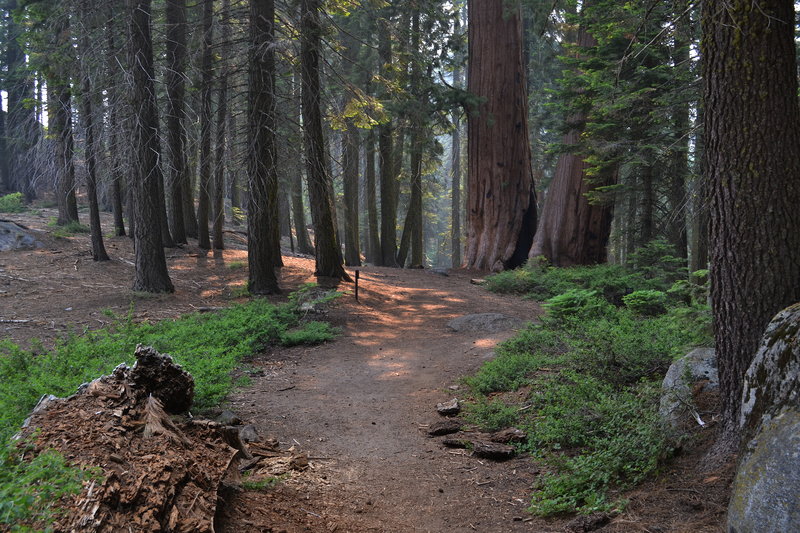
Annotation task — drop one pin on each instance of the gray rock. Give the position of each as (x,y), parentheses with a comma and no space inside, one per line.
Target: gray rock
(229,418)
(676,390)
(449,408)
(490,322)
(765,492)
(249,433)
(16,237)
(772,383)
(442,271)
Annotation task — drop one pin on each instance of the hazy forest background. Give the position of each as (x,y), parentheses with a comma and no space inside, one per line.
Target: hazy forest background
(653,142)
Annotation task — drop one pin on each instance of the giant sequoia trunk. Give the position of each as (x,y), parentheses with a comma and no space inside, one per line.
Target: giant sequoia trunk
(151,263)
(262,172)
(502,200)
(752,132)
(388,185)
(573,231)
(328,253)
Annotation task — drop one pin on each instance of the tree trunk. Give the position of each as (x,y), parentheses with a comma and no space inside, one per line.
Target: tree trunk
(115,160)
(22,127)
(328,254)
(263,177)
(203,202)
(151,264)
(5,169)
(455,207)
(373,231)
(98,249)
(350,177)
(176,135)
(387,167)
(573,231)
(752,132)
(502,200)
(222,113)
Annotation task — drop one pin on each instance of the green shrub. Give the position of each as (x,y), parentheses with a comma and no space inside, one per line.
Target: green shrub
(309,333)
(12,203)
(576,303)
(491,415)
(647,302)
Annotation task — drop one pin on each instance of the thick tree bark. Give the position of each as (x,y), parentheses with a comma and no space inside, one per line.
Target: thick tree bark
(98,249)
(151,263)
(176,135)
(752,132)
(502,200)
(571,230)
(262,172)
(328,253)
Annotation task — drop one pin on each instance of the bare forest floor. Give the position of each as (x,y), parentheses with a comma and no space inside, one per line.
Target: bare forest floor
(358,407)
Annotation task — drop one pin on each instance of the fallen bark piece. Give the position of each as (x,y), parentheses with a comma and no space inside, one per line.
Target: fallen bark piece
(453,442)
(444,427)
(449,408)
(493,451)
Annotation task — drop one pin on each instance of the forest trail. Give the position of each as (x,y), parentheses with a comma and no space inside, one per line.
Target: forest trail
(363,403)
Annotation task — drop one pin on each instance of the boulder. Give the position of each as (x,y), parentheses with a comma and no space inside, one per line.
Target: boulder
(765,491)
(16,237)
(772,383)
(489,322)
(765,495)
(699,365)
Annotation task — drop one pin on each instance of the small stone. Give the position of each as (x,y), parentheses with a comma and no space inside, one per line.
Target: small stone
(229,418)
(249,433)
(441,271)
(493,451)
(509,435)
(454,387)
(445,427)
(449,408)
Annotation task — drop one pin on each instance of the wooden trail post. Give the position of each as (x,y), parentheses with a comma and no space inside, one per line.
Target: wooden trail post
(357,273)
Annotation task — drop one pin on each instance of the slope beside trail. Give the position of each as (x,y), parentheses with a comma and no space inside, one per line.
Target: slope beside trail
(360,407)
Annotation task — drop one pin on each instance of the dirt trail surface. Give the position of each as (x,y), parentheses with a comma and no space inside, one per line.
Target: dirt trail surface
(358,407)
(363,405)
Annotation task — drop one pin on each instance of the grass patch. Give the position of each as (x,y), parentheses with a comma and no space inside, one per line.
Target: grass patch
(593,368)
(32,488)
(263,484)
(209,345)
(67,230)
(236,265)
(12,203)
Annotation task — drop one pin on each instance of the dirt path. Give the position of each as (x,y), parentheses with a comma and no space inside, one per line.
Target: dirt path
(363,402)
